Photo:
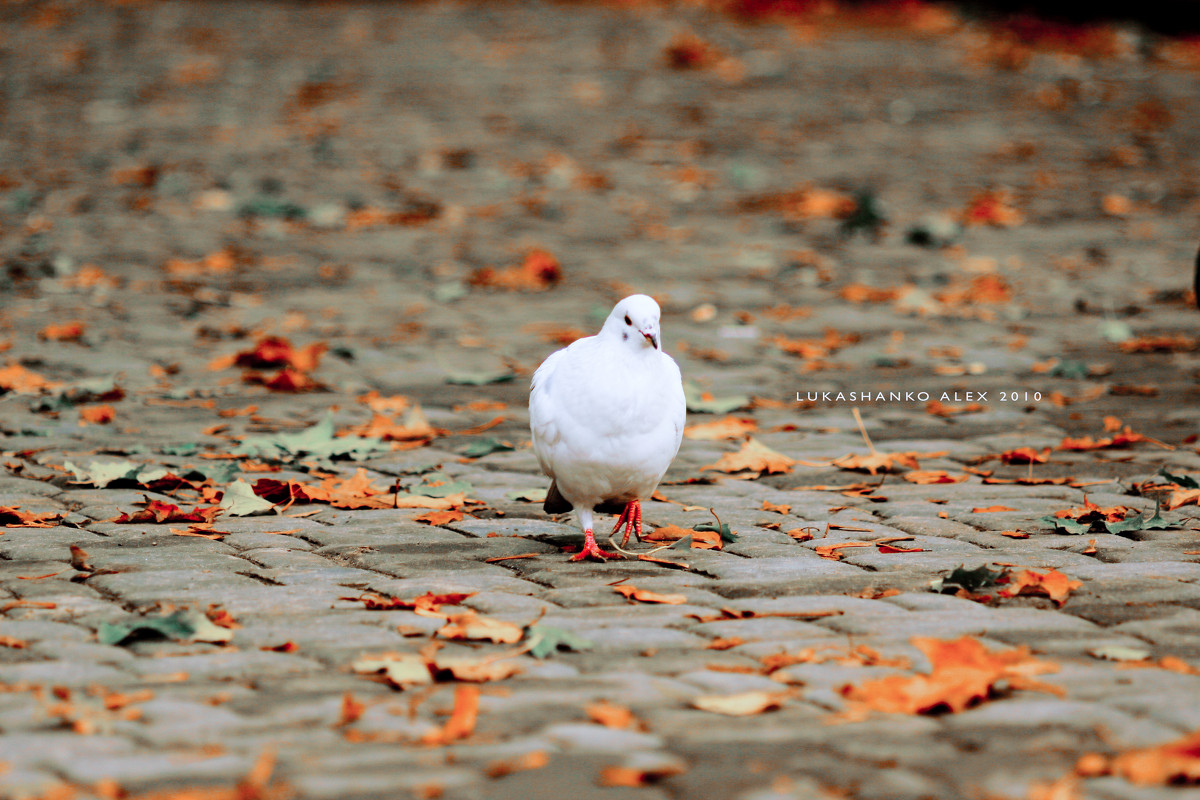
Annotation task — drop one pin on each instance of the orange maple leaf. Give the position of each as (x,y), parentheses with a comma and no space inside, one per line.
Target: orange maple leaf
(963,673)
(16,378)
(97,415)
(1052,584)
(539,270)
(440,517)
(62,332)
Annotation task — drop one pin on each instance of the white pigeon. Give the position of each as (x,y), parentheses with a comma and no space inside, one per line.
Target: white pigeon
(607,416)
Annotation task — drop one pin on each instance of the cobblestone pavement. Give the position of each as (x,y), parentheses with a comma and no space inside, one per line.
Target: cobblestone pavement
(392,182)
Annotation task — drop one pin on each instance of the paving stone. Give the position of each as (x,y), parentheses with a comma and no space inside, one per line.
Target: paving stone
(674,210)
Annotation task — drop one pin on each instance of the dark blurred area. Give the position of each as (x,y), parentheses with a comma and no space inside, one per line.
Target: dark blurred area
(1163,18)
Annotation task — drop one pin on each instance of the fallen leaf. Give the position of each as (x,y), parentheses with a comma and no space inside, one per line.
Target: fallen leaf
(544,640)
(833,552)
(931,476)
(539,271)
(440,517)
(14,517)
(612,716)
(470,625)
(724,428)
(62,332)
(97,415)
(1175,763)
(240,500)
(778,509)
(184,626)
(156,511)
(755,457)
(993,207)
(535,759)
(743,704)
(1052,584)
(352,709)
(876,462)
(1025,455)
(647,596)
(963,673)
(462,718)
(638,776)
(16,378)
(991,509)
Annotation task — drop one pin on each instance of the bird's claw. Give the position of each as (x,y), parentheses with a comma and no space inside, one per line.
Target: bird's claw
(592,550)
(631,520)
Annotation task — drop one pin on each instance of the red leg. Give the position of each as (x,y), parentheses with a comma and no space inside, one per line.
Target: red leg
(631,520)
(592,550)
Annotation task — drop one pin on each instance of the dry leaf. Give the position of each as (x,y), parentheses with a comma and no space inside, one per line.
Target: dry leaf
(778,509)
(726,428)
(991,509)
(929,476)
(535,759)
(743,704)
(833,552)
(440,517)
(1052,584)
(462,718)
(97,415)
(470,625)
(647,596)
(756,457)
(612,716)
(964,673)
(877,462)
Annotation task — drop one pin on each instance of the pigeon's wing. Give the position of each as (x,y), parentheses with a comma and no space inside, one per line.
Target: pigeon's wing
(674,398)
(544,420)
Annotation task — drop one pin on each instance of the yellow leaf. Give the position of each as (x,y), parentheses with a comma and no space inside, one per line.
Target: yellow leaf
(743,704)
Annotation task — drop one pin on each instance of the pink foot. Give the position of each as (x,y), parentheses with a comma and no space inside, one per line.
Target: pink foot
(592,550)
(631,520)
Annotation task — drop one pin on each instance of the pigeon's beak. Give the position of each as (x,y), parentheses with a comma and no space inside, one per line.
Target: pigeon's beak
(651,337)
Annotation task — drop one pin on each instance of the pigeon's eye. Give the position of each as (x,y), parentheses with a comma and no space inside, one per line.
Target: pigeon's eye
(628,321)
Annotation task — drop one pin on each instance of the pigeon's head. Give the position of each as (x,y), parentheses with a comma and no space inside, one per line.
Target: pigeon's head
(635,320)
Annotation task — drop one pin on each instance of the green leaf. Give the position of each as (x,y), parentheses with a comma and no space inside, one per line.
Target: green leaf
(1184,481)
(1067,525)
(545,639)
(527,495)
(264,206)
(183,626)
(970,579)
(319,441)
(868,215)
(1071,369)
(486,446)
(1139,522)
(185,449)
(716,405)
(480,378)
(727,535)
(241,501)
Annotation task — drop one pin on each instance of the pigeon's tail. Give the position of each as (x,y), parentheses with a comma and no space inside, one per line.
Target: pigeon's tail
(555,502)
